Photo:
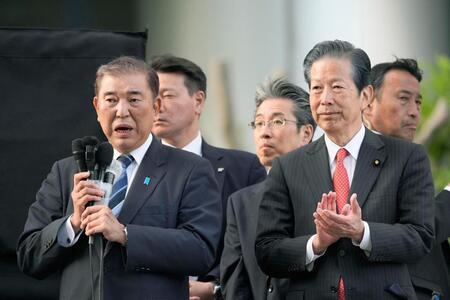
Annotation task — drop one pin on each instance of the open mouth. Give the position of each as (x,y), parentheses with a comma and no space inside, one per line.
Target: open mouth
(123,129)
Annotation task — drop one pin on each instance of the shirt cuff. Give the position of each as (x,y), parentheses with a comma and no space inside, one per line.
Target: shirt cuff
(310,255)
(447,188)
(366,242)
(66,234)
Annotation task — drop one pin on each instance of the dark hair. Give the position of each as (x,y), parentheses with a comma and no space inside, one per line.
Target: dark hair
(195,78)
(379,71)
(126,65)
(281,88)
(358,58)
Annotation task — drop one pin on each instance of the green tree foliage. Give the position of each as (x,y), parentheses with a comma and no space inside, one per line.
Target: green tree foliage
(435,109)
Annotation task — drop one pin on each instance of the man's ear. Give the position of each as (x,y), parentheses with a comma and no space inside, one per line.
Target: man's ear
(200,98)
(368,96)
(95,104)
(308,133)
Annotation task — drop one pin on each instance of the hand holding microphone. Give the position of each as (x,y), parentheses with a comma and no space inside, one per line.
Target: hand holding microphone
(84,192)
(99,218)
(94,187)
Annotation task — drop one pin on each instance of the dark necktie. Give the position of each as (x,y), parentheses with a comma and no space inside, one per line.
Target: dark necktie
(119,189)
(341,187)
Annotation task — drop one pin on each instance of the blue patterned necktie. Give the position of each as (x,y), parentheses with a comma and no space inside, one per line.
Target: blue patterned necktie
(119,188)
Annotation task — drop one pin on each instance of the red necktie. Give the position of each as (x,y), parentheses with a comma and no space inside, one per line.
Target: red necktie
(341,187)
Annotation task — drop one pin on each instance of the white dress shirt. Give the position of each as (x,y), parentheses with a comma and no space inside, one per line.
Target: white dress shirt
(353,147)
(194,146)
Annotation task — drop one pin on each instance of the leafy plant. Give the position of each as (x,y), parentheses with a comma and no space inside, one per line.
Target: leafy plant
(434,131)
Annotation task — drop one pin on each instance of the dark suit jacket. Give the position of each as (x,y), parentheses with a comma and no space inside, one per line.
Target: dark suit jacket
(173,230)
(241,277)
(234,170)
(395,196)
(431,273)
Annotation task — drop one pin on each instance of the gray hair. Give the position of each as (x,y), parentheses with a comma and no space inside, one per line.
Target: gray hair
(358,58)
(128,65)
(281,88)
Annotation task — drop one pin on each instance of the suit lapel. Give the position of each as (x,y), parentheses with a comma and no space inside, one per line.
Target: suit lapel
(215,158)
(150,172)
(152,167)
(371,158)
(318,168)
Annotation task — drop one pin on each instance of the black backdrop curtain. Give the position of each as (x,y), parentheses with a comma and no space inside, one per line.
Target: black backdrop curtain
(46,91)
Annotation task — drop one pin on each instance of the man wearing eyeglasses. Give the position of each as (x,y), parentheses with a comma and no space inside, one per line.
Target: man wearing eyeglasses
(282,123)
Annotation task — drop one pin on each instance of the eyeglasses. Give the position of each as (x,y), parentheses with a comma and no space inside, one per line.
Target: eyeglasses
(274,123)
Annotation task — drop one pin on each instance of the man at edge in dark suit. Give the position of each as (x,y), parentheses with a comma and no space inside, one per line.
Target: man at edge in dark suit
(395,110)
(165,228)
(182,95)
(282,123)
(343,215)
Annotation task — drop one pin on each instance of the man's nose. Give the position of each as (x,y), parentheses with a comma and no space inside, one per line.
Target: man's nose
(327,96)
(122,108)
(266,130)
(414,110)
(160,107)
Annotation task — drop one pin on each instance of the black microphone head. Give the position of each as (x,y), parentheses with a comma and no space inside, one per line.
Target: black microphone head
(104,155)
(78,148)
(90,140)
(78,154)
(90,143)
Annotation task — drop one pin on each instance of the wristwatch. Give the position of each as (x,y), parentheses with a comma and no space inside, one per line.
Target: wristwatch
(217,292)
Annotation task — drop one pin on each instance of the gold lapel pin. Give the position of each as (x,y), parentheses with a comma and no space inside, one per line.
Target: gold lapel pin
(376,162)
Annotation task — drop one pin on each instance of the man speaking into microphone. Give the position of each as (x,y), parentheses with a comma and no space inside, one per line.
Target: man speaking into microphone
(161,222)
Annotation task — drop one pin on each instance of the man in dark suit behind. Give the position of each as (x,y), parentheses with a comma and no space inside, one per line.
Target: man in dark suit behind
(333,247)
(395,110)
(182,95)
(282,123)
(165,228)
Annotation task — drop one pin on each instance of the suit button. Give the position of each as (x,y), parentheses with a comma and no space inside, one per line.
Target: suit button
(270,289)
(333,289)
(341,252)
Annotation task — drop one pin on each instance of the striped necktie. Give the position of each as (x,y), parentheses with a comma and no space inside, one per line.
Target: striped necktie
(119,188)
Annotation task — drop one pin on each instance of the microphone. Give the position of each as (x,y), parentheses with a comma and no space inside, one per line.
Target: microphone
(103,157)
(90,143)
(90,140)
(108,178)
(78,154)
(112,172)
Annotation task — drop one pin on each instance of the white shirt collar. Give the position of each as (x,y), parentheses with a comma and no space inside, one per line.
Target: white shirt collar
(352,146)
(139,152)
(376,132)
(195,146)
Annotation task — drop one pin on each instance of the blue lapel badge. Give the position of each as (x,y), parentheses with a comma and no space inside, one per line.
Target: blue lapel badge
(147,180)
